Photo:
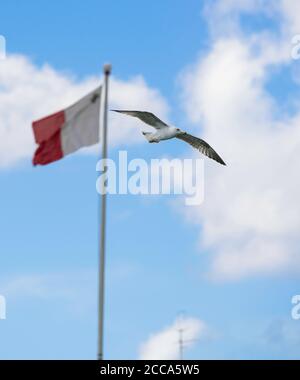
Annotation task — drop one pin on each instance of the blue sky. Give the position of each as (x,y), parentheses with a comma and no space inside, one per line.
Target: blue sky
(158,261)
(156,40)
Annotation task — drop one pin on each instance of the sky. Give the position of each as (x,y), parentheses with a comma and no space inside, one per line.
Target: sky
(224,271)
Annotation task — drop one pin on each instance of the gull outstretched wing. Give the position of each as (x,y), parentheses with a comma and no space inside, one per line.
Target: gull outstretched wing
(202,146)
(147,117)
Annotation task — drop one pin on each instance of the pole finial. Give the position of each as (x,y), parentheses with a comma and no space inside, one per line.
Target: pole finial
(107,68)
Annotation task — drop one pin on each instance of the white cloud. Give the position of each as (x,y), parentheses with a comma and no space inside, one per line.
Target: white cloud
(290,11)
(281,339)
(223,16)
(251,215)
(74,290)
(28,92)
(133,94)
(164,345)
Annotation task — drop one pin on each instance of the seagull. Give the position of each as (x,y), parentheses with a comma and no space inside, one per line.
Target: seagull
(166,132)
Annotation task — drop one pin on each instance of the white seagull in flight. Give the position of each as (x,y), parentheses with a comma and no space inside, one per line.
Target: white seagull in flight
(166,132)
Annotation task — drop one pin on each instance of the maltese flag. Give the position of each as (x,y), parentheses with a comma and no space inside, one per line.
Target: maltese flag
(68,130)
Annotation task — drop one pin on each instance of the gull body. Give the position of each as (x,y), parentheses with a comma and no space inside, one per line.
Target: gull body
(167,132)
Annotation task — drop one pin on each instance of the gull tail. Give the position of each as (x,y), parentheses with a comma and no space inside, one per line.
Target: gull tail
(148,136)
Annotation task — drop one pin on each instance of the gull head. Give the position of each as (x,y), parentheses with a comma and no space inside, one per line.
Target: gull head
(178,132)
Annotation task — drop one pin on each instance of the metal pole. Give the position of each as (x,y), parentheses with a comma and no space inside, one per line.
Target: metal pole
(107,71)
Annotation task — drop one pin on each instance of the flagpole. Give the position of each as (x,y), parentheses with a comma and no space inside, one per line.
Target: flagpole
(101,295)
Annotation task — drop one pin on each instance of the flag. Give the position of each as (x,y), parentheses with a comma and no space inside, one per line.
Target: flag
(66,131)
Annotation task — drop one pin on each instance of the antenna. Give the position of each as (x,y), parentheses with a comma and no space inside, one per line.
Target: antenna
(182,343)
